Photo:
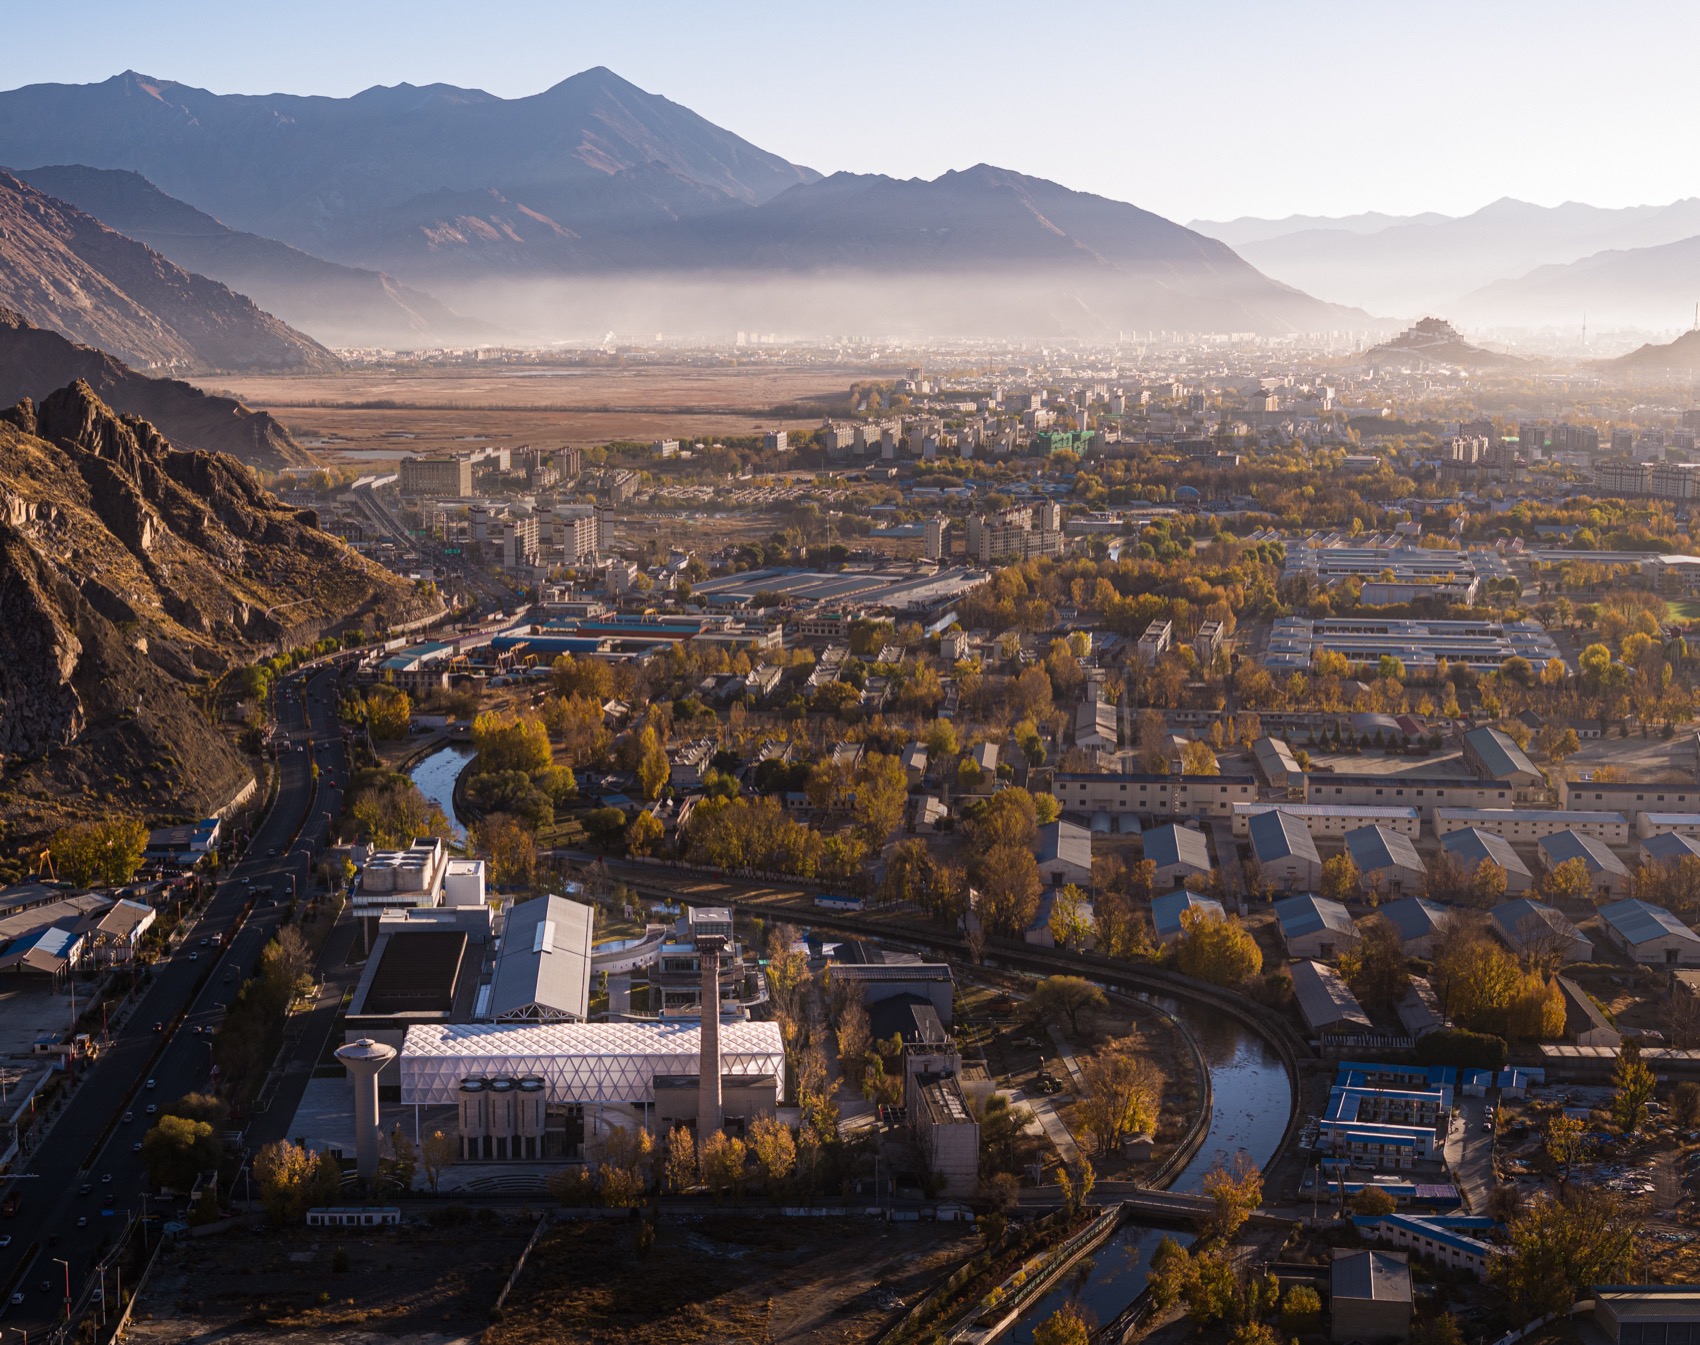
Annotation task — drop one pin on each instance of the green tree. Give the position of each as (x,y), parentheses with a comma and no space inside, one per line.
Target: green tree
(177,1150)
(103,854)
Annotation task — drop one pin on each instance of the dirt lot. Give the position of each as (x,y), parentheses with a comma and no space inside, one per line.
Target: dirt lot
(361,417)
(727,1280)
(416,1285)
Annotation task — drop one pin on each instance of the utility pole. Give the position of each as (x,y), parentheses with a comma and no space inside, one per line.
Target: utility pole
(67,1265)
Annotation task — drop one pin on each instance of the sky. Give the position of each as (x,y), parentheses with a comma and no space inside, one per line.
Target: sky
(1192,108)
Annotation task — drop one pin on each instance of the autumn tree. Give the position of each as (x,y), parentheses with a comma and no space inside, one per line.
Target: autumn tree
(389,713)
(1563,1245)
(1071,919)
(1215,949)
(1375,968)
(681,1164)
(436,1152)
(1569,884)
(774,1148)
(722,1159)
(645,833)
(1565,1143)
(1235,1190)
(1632,1083)
(1340,878)
(653,768)
(1120,1091)
(510,847)
(1060,999)
(1066,1326)
(292,1179)
(1198,759)
(177,1150)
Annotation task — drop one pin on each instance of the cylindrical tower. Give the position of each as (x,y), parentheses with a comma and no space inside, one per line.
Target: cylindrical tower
(710,1116)
(363,1059)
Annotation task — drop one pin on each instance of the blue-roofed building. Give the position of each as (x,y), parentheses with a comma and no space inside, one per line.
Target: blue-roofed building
(1178,852)
(1472,847)
(1445,1240)
(1285,854)
(1419,921)
(1313,926)
(1529,926)
(1668,847)
(1387,860)
(1609,874)
(1650,935)
(1166,912)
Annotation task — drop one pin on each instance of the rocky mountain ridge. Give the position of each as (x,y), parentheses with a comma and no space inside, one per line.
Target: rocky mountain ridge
(64,270)
(133,573)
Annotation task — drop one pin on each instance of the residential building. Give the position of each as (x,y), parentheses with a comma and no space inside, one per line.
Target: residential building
(1528,926)
(1585,1022)
(1326,819)
(1472,847)
(1179,853)
(1629,797)
(937,538)
(1210,641)
(1369,1296)
(1609,874)
(1314,927)
(1285,854)
(1064,852)
(1152,796)
(1167,909)
(1650,935)
(1419,923)
(1387,860)
(1530,824)
(448,477)
(1667,847)
(1095,726)
(1159,637)
(1424,793)
(1494,756)
(1324,1000)
(1443,1240)
(1647,1314)
(1277,765)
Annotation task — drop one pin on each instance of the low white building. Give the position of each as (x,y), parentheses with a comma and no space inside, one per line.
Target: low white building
(1650,935)
(1530,824)
(1284,852)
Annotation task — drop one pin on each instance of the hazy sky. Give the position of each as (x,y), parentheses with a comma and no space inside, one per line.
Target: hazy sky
(1192,108)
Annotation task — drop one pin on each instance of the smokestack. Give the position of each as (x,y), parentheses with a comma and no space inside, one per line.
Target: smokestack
(711,932)
(364,1059)
(709,1115)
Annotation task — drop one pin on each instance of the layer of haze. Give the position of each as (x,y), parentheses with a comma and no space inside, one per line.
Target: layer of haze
(1208,109)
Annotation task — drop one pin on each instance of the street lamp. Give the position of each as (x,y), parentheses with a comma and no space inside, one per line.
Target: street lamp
(62,1262)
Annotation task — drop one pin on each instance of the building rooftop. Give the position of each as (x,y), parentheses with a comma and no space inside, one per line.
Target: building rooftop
(1563,846)
(1640,922)
(417,972)
(1278,834)
(1324,999)
(1308,913)
(1375,847)
(1499,755)
(1166,910)
(543,967)
(1371,1275)
(1169,845)
(1416,917)
(1668,846)
(1525,920)
(1471,846)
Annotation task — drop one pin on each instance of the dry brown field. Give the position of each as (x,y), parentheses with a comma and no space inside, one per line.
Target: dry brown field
(367,416)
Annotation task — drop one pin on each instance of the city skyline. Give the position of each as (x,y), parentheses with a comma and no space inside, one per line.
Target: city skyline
(1226,109)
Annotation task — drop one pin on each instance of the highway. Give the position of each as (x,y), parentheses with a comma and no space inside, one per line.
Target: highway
(87,1169)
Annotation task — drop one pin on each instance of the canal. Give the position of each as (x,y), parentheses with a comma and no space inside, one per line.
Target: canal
(1252,1099)
(436,775)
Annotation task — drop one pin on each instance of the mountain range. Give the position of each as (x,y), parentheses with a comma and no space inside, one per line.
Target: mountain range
(136,572)
(340,305)
(597,204)
(64,269)
(34,363)
(1510,263)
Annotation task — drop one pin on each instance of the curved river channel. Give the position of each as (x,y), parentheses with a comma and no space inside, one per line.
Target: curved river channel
(436,775)
(1252,1101)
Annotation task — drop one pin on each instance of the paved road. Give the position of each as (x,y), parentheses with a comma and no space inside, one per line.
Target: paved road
(91,1145)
